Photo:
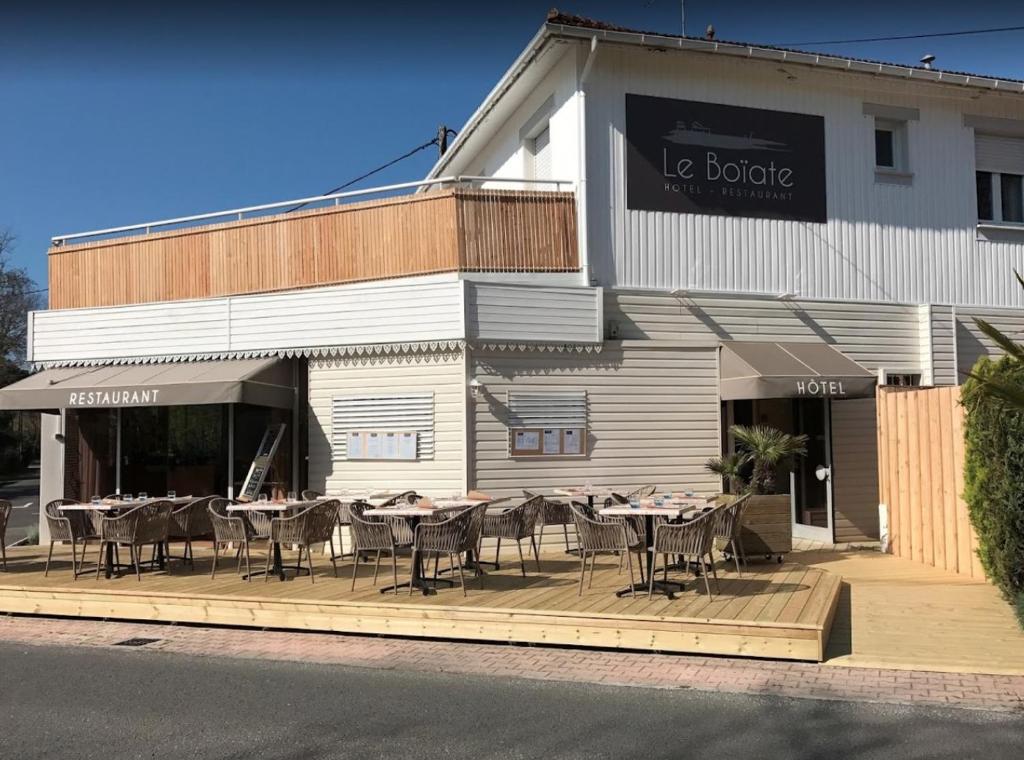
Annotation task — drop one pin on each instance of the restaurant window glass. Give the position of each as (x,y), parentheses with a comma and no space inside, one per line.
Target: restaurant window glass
(176,448)
(91,464)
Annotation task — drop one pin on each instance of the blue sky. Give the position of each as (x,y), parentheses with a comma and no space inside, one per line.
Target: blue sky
(116,113)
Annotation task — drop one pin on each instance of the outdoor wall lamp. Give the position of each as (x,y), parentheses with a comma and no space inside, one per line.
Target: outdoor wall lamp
(475,386)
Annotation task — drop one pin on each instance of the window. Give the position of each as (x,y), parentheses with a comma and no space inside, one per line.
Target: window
(547,424)
(904,380)
(1012,200)
(891,145)
(393,426)
(999,180)
(983,180)
(540,155)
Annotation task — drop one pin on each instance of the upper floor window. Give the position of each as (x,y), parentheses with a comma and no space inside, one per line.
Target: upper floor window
(999,180)
(891,145)
(892,141)
(540,154)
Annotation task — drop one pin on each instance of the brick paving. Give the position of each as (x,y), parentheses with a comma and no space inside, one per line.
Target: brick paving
(645,670)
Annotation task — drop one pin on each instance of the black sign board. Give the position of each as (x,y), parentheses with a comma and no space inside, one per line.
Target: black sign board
(261,462)
(705,158)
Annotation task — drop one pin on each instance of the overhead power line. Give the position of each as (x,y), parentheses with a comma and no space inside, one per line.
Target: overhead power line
(961,33)
(382,167)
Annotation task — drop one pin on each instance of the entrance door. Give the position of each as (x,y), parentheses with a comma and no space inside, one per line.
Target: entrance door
(811,479)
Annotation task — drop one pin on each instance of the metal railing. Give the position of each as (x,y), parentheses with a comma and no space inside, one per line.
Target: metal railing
(240,213)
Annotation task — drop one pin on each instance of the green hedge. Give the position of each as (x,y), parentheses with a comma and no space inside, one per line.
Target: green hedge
(994,477)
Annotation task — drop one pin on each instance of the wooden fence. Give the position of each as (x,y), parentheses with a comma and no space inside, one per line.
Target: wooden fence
(442,231)
(921,478)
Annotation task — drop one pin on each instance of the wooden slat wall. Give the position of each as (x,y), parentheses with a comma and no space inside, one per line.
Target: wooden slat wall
(442,231)
(921,478)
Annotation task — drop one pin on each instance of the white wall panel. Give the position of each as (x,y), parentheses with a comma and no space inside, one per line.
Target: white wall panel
(378,313)
(522,313)
(888,242)
(653,418)
(420,310)
(443,375)
(876,335)
(972,344)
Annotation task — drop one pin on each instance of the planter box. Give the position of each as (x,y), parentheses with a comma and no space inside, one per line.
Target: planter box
(767,525)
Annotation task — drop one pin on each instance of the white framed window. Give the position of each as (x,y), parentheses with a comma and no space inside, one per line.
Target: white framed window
(550,424)
(891,149)
(540,154)
(365,421)
(999,178)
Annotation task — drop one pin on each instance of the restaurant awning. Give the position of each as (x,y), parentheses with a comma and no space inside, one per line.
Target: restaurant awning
(750,370)
(262,382)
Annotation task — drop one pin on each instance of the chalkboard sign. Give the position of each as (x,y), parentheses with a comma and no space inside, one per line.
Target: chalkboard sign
(261,462)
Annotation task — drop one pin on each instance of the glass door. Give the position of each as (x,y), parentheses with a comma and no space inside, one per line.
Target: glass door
(811,479)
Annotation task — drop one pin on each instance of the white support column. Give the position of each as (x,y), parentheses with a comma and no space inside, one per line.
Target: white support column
(231,451)
(117,450)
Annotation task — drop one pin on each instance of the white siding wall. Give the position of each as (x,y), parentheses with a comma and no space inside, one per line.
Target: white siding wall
(972,344)
(444,374)
(414,310)
(855,469)
(653,418)
(346,315)
(876,335)
(518,313)
(884,242)
(504,154)
(943,344)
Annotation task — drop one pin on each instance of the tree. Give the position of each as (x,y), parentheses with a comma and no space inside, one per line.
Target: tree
(1006,387)
(768,449)
(19,295)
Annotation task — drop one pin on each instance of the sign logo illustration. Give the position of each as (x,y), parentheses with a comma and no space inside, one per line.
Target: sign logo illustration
(706,158)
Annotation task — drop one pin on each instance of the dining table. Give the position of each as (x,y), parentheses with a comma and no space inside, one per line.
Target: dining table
(413,514)
(114,507)
(685,507)
(272,509)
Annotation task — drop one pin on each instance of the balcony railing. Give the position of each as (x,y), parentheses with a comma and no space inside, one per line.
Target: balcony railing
(454,225)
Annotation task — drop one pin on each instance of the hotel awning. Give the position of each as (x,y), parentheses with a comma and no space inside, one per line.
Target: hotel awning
(262,382)
(750,370)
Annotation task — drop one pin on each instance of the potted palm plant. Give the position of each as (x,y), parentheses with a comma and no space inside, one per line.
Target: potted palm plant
(754,469)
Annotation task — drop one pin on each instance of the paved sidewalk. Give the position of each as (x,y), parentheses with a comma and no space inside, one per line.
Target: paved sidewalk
(645,670)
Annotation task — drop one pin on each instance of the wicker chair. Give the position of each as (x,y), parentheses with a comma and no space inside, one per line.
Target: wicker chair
(725,532)
(230,529)
(71,527)
(5,515)
(553,513)
(310,495)
(368,537)
(514,525)
(447,537)
(140,526)
(190,522)
(690,541)
(313,525)
(643,492)
(599,537)
(399,525)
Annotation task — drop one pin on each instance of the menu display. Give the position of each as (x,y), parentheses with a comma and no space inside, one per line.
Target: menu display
(382,445)
(551,442)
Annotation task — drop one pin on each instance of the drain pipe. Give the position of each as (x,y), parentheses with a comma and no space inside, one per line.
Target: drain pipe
(582,231)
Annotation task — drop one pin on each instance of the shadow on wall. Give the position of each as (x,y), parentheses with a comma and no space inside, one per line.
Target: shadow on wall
(627,328)
(969,348)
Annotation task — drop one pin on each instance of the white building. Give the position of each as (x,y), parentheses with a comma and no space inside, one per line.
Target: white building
(742,218)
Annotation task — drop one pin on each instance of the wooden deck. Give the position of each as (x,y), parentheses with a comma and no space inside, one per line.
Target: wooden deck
(777,611)
(897,613)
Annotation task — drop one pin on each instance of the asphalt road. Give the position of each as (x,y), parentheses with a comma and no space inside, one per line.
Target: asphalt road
(96,703)
(20,491)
